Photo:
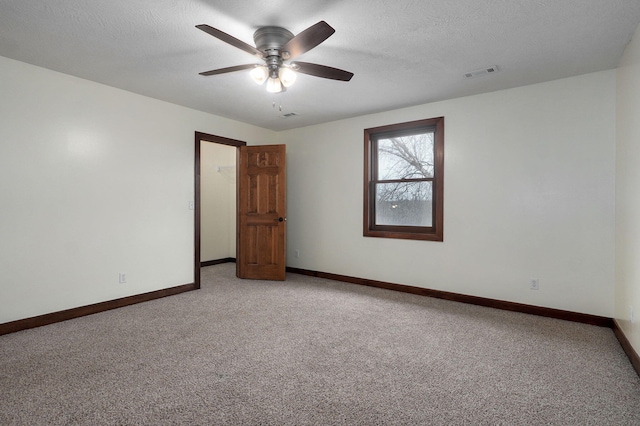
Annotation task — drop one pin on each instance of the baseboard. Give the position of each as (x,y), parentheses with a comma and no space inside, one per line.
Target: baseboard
(24,324)
(626,346)
(38,321)
(218,261)
(473,300)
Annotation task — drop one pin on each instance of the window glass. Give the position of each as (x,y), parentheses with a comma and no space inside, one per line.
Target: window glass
(406,157)
(404,204)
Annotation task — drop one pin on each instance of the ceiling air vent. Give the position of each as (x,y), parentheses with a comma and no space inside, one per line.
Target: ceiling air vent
(289,114)
(482,71)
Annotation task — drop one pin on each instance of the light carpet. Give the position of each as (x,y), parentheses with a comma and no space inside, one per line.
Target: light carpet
(309,351)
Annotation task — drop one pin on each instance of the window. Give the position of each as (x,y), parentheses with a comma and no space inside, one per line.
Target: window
(403,180)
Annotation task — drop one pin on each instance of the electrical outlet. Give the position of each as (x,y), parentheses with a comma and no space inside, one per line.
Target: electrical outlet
(632,316)
(191,206)
(122,278)
(296,253)
(534,284)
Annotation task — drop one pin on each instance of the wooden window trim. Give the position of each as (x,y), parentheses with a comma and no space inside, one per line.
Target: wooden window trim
(434,233)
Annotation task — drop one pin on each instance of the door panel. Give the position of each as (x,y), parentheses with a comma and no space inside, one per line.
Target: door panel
(261,212)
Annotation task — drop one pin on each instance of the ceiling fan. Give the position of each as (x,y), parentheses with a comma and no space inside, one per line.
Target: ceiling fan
(277,46)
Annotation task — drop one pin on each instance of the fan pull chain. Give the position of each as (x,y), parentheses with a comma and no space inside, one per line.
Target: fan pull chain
(273,104)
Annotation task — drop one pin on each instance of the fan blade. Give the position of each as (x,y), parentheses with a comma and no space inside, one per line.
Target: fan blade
(308,39)
(229,69)
(322,71)
(230,40)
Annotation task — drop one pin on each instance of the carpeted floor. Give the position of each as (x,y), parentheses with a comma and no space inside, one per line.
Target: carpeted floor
(309,351)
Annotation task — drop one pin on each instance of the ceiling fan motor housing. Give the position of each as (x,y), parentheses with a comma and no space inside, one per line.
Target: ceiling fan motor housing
(268,39)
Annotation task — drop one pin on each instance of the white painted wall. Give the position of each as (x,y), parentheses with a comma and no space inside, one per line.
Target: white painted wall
(218,201)
(94,181)
(529,193)
(628,192)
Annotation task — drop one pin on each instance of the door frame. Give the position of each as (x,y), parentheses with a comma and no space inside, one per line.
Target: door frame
(204,137)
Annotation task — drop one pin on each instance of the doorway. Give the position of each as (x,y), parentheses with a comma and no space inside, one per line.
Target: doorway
(217,203)
(221,169)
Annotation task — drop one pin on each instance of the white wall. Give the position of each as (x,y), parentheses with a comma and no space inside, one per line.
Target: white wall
(96,181)
(628,192)
(218,201)
(93,181)
(529,193)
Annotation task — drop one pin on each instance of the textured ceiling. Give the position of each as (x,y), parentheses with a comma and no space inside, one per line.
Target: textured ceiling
(403,52)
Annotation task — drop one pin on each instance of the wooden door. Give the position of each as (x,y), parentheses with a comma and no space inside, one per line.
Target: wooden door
(261,212)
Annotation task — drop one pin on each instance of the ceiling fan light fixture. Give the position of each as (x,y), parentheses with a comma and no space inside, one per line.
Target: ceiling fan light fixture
(259,74)
(287,76)
(274,46)
(274,85)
